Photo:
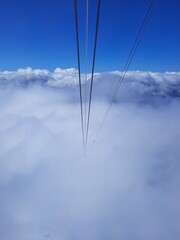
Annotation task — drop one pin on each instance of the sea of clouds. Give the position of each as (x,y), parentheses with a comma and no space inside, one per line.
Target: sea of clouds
(127,186)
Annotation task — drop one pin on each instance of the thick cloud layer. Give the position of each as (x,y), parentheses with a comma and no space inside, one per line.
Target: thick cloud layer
(126,188)
(163,84)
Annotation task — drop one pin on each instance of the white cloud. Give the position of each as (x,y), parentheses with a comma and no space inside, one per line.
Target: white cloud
(25,77)
(128,185)
(151,84)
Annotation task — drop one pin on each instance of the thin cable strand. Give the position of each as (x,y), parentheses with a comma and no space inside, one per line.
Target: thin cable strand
(86,61)
(79,71)
(139,37)
(92,75)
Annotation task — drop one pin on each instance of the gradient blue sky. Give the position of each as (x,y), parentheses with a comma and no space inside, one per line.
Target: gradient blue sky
(41,34)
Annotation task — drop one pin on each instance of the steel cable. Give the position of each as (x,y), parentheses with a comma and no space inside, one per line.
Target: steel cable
(92,73)
(79,71)
(137,41)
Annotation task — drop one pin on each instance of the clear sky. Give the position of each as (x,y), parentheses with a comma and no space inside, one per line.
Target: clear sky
(41,34)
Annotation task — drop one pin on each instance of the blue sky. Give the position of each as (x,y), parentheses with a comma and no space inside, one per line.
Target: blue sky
(41,34)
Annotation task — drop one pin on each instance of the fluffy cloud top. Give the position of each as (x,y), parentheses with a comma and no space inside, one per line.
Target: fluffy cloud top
(137,83)
(25,77)
(126,188)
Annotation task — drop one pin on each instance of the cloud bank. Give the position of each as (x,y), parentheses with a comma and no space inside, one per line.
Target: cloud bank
(126,188)
(162,83)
